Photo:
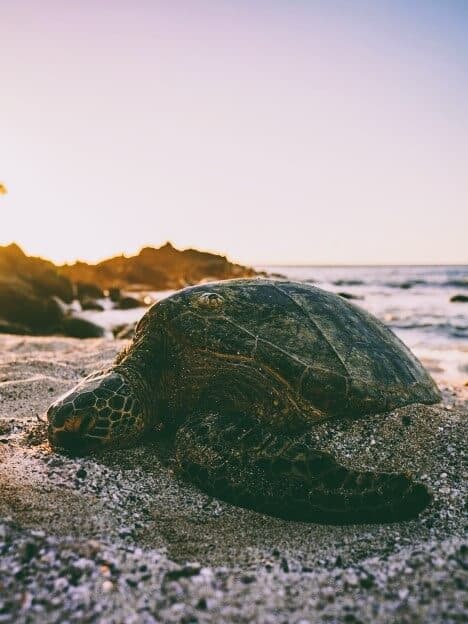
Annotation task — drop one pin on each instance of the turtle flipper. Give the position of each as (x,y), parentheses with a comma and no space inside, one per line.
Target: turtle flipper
(239,462)
(322,489)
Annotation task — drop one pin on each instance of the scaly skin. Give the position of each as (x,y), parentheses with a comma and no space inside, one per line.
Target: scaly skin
(100,411)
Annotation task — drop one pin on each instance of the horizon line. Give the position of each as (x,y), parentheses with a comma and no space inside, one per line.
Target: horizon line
(261,264)
(363,265)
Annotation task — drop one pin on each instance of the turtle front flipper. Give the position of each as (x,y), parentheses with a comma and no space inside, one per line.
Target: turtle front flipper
(237,461)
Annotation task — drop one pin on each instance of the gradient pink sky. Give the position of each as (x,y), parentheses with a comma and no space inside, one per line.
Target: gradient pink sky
(285,132)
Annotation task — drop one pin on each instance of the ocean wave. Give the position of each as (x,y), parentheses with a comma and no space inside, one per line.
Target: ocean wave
(349,282)
(408,284)
(446,329)
(457,283)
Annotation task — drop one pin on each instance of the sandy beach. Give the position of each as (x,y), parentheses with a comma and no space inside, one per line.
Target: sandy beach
(184,155)
(117,538)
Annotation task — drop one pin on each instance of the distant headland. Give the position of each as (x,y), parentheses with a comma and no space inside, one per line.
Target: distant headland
(155,268)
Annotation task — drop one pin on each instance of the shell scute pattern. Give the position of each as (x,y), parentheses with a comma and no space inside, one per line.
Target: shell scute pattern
(327,352)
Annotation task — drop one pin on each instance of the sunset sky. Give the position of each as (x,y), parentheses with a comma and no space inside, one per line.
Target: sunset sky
(294,131)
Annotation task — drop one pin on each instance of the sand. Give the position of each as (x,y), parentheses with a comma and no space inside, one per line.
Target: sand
(117,538)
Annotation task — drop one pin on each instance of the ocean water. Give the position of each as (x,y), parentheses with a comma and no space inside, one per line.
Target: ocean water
(414,301)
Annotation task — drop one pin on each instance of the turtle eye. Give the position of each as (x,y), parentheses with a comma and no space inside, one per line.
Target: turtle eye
(210,300)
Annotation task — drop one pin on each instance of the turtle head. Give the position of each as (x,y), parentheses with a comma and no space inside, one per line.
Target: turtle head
(100,411)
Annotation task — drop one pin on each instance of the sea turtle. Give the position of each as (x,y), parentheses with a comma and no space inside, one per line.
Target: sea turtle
(238,372)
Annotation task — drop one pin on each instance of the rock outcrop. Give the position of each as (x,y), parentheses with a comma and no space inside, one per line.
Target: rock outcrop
(29,288)
(33,291)
(155,269)
(459,299)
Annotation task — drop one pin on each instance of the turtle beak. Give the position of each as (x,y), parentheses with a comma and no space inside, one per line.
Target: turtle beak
(67,427)
(69,441)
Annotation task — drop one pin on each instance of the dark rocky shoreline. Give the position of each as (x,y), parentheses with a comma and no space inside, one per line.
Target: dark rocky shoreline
(36,295)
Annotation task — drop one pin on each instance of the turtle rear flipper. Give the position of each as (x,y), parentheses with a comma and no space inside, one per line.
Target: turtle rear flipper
(322,489)
(286,477)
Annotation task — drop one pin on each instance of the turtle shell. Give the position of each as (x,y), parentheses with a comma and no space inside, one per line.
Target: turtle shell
(331,353)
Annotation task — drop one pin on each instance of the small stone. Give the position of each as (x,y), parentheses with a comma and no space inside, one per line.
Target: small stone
(366,581)
(202,604)
(131,581)
(60,584)
(107,586)
(81,473)
(190,569)
(55,462)
(82,564)
(125,532)
(328,592)
(94,546)
(28,551)
(351,579)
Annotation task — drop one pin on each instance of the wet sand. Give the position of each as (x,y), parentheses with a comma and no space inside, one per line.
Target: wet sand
(117,538)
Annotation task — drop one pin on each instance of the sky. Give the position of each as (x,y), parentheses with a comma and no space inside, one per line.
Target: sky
(321,132)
